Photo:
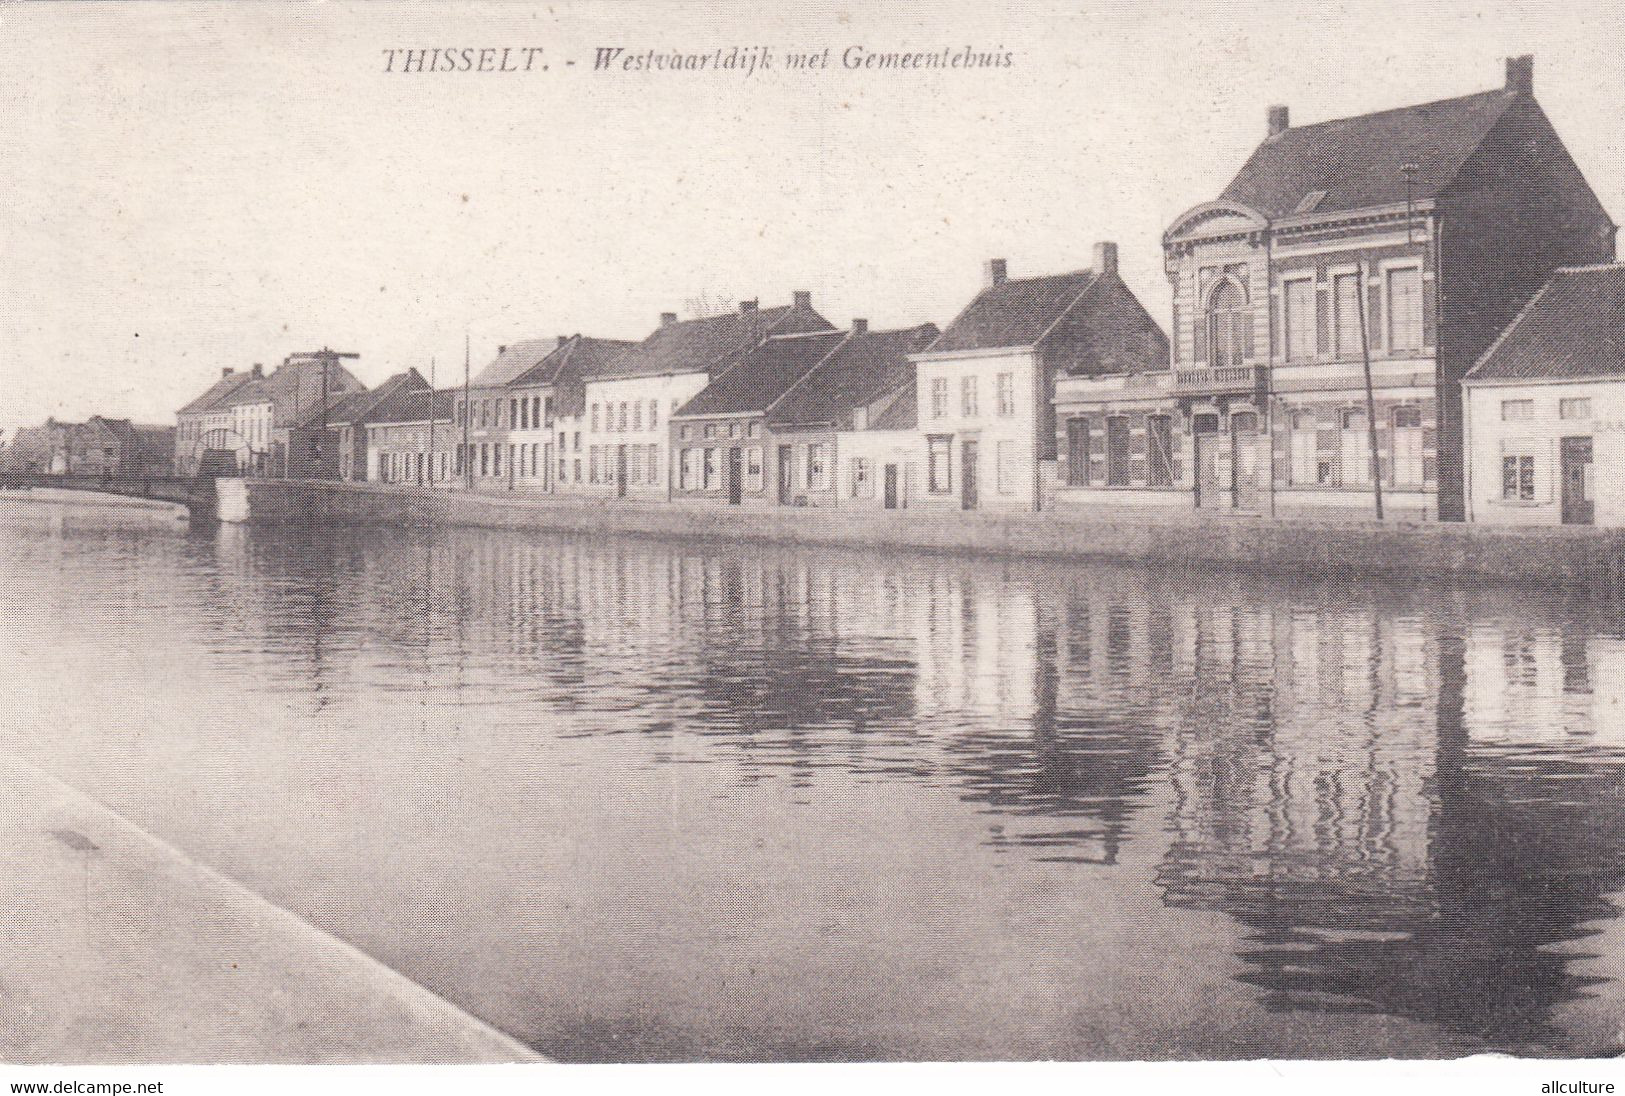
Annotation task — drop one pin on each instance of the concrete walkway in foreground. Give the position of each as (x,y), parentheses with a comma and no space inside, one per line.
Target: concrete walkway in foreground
(117,948)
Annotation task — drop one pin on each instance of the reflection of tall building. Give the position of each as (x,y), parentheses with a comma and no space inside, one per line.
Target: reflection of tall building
(1388,852)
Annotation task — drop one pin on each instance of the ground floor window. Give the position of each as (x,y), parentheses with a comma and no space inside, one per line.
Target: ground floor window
(1159,435)
(1407,444)
(653,466)
(1117,451)
(1004,469)
(1077,452)
(753,468)
(938,469)
(1353,448)
(818,466)
(485,459)
(713,474)
(863,482)
(1518,477)
(634,471)
(688,474)
(1303,464)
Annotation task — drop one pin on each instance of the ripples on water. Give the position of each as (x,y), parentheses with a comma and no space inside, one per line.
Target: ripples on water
(631,799)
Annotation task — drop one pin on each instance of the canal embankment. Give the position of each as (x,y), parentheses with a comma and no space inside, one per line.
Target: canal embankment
(1567,557)
(120,948)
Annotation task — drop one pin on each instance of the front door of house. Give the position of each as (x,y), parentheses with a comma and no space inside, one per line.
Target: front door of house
(1247,463)
(967,477)
(620,471)
(787,475)
(735,475)
(891,486)
(1578,506)
(1212,492)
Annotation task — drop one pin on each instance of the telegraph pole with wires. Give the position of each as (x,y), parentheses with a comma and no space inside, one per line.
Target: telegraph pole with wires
(328,358)
(1370,397)
(468,416)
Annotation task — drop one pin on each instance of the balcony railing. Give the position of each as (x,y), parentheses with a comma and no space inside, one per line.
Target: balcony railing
(1223,378)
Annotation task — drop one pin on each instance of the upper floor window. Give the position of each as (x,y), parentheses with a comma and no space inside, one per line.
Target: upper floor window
(1405,309)
(1300,319)
(1517,410)
(1229,325)
(1346,310)
(1574,408)
(592,422)
(1006,385)
(967,397)
(654,414)
(939,397)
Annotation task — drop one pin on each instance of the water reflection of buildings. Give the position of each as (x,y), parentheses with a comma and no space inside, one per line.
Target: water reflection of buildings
(1406,804)
(1377,799)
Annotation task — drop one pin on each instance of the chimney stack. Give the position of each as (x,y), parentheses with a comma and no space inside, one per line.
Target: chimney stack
(502,348)
(801,300)
(667,319)
(259,369)
(747,307)
(997,272)
(860,327)
(1105,257)
(1279,120)
(226,372)
(1521,74)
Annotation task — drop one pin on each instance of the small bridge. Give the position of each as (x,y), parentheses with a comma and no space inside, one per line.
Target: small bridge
(196,493)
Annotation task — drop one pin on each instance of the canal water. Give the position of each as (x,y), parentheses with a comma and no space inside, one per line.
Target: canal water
(634,800)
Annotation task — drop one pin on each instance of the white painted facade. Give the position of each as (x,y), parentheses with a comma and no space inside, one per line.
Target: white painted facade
(624,428)
(983,402)
(1516,436)
(862,458)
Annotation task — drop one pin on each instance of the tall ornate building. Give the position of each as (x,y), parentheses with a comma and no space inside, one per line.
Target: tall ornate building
(1407,238)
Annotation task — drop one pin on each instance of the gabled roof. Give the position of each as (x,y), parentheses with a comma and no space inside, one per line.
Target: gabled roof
(413,406)
(699,345)
(359,407)
(1357,163)
(513,360)
(578,355)
(216,394)
(255,391)
(859,371)
(1573,329)
(1014,313)
(761,376)
(901,412)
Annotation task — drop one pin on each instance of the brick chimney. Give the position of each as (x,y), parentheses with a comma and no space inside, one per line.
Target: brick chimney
(1105,257)
(226,372)
(1521,74)
(747,307)
(667,319)
(259,369)
(801,300)
(860,327)
(997,272)
(1278,120)
(502,348)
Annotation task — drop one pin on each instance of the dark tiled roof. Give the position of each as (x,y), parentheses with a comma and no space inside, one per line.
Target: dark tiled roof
(901,413)
(760,377)
(413,406)
(360,407)
(1015,313)
(861,370)
(216,394)
(1573,328)
(579,355)
(513,360)
(1357,162)
(697,346)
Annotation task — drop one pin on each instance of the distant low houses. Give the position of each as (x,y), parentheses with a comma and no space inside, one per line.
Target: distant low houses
(99,446)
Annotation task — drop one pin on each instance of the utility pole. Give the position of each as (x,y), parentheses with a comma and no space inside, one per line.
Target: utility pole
(328,358)
(468,417)
(1370,397)
(429,460)
(1409,171)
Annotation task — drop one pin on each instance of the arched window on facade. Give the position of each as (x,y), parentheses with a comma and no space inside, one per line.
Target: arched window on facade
(1229,325)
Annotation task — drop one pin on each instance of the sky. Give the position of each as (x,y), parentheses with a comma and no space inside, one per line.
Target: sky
(189,187)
